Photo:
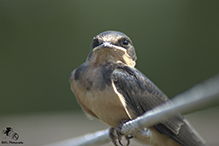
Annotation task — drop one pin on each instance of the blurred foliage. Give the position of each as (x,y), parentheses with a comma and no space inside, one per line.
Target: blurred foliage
(177,44)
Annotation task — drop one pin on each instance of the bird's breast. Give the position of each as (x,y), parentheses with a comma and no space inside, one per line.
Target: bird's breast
(99,98)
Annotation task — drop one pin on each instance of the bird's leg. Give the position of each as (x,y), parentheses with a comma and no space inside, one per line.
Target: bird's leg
(112,136)
(119,134)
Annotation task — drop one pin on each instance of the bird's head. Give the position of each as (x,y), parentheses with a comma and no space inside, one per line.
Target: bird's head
(112,47)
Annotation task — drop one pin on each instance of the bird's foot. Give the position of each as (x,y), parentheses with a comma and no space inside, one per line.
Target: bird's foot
(117,131)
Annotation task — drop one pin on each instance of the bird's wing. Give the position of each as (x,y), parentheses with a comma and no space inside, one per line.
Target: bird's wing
(142,95)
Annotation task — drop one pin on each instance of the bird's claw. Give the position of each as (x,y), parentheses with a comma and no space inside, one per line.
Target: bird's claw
(119,134)
(112,137)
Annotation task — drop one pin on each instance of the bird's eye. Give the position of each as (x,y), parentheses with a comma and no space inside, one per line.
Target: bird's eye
(95,43)
(125,42)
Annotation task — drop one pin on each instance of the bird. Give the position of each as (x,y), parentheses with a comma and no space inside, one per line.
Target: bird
(109,87)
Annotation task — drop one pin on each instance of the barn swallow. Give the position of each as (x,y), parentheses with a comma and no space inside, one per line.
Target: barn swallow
(109,87)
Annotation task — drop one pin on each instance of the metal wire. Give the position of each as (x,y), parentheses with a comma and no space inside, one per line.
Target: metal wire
(201,96)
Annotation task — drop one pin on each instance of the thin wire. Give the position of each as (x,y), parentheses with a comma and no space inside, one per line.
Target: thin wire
(201,96)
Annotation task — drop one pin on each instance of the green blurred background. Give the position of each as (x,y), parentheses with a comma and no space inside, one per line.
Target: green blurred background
(42,42)
(177,44)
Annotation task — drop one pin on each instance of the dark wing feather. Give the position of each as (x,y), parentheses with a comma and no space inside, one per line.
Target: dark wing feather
(142,95)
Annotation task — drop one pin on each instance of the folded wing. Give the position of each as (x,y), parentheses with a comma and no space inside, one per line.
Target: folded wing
(142,95)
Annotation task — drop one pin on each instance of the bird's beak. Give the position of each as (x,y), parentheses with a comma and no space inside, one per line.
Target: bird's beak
(110,46)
